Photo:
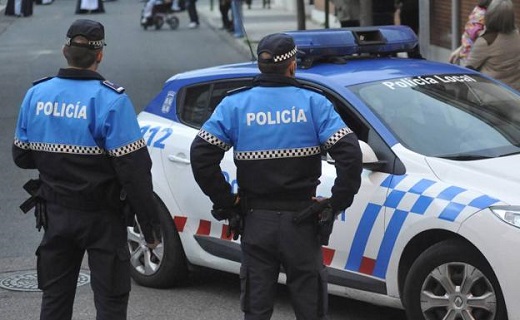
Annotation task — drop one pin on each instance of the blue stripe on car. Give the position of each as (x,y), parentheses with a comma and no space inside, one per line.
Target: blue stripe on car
(394,200)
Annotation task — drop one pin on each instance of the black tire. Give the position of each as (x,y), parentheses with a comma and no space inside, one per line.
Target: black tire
(173,22)
(159,21)
(456,263)
(166,266)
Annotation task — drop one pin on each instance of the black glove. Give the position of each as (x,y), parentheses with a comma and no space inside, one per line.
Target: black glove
(235,226)
(227,212)
(325,224)
(233,215)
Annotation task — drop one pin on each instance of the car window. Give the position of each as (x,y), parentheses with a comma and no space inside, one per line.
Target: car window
(350,118)
(198,101)
(457,116)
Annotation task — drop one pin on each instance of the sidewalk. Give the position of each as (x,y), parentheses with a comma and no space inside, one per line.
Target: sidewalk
(258,22)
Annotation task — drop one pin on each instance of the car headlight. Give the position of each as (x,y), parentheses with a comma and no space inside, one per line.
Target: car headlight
(509,214)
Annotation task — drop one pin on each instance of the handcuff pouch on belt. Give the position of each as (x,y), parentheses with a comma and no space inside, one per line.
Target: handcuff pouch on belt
(40,209)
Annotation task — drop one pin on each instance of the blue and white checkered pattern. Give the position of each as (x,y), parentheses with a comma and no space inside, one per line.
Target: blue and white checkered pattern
(408,195)
(417,196)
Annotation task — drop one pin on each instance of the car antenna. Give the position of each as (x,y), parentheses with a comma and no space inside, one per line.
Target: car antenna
(253,57)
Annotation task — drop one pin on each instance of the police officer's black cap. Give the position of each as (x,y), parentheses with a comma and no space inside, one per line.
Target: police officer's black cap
(280,46)
(92,30)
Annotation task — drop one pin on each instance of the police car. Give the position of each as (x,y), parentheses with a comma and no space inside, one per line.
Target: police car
(435,227)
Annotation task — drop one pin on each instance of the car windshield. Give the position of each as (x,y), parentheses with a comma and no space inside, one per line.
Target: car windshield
(460,117)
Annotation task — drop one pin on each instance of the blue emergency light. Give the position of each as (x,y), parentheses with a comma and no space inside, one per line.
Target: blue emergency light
(378,40)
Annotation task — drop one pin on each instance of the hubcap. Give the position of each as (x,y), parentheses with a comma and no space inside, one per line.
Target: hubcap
(458,291)
(143,259)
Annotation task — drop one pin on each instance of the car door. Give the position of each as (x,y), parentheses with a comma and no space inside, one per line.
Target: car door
(359,248)
(194,107)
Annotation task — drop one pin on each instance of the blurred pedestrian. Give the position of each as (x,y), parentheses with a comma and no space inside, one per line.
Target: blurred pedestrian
(238,24)
(19,8)
(472,29)
(348,12)
(225,11)
(191,7)
(382,12)
(407,14)
(497,51)
(89,6)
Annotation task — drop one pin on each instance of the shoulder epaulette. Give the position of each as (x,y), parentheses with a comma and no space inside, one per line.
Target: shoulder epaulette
(237,90)
(114,86)
(41,80)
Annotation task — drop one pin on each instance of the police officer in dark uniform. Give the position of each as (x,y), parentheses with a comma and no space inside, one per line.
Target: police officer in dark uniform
(278,130)
(81,133)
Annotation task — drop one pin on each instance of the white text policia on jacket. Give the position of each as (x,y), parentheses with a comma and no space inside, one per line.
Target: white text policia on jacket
(66,110)
(277,117)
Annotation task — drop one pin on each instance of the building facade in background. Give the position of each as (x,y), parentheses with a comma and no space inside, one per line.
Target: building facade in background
(441,21)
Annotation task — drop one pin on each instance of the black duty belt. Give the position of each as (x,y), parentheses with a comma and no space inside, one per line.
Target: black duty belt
(278,205)
(79,202)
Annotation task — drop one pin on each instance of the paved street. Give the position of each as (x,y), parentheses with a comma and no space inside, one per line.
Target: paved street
(30,48)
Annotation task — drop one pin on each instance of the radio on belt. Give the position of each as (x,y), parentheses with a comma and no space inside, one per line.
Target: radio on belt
(332,44)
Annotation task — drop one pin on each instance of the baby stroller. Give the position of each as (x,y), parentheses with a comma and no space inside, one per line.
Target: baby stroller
(161,12)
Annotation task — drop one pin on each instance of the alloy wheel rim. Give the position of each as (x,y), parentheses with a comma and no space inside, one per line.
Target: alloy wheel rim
(458,291)
(142,259)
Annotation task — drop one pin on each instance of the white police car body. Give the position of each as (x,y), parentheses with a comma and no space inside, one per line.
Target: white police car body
(435,227)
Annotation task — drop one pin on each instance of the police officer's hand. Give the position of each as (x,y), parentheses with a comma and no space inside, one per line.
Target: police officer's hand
(325,220)
(153,245)
(228,212)
(156,230)
(235,226)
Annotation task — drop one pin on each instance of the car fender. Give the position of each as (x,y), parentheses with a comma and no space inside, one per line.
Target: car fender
(498,242)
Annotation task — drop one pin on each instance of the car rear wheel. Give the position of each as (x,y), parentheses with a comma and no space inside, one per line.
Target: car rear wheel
(452,281)
(166,265)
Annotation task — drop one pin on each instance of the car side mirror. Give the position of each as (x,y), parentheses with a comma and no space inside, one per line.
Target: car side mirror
(370,161)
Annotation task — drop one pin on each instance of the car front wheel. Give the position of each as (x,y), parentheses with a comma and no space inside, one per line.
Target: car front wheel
(452,281)
(163,267)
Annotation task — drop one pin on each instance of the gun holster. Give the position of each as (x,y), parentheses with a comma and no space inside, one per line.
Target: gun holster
(40,208)
(324,215)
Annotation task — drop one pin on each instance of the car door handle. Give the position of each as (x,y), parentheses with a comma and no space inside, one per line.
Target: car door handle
(178,159)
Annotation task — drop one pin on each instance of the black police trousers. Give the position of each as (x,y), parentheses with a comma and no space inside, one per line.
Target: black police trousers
(69,234)
(272,240)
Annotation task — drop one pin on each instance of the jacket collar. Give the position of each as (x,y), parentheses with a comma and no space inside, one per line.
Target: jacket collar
(80,74)
(274,80)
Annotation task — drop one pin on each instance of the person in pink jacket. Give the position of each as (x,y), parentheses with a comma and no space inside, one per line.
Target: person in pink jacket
(497,51)
(474,26)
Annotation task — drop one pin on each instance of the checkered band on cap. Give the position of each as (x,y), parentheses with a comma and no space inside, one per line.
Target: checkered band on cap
(285,56)
(65,148)
(129,148)
(211,139)
(96,44)
(336,136)
(277,154)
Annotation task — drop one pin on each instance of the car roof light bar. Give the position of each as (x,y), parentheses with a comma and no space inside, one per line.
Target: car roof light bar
(379,40)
